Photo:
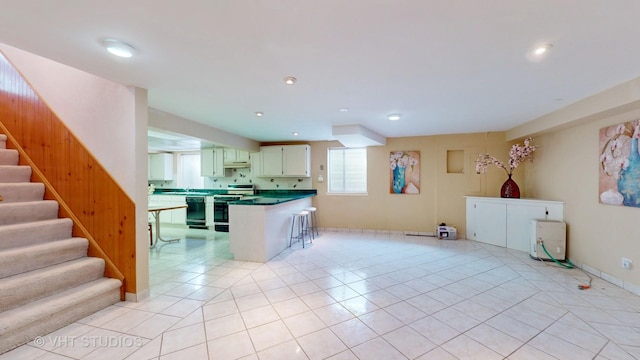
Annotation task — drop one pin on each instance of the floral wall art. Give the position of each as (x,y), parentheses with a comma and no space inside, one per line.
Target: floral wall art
(404,172)
(620,164)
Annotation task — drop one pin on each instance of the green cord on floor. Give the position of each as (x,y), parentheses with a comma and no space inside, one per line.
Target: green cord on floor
(568,265)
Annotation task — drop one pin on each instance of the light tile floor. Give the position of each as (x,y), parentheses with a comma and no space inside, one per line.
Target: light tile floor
(355,296)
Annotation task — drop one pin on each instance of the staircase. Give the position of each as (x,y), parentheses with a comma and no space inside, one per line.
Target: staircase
(46,279)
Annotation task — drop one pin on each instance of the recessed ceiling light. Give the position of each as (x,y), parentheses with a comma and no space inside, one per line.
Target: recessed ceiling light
(118,48)
(394,117)
(290,80)
(541,50)
(259,113)
(295,133)
(538,52)
(344,109)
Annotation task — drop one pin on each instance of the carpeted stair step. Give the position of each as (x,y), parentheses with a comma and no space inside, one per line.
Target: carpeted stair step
(46,279)
(29,258)
(21,325)
(23,288)
(37,232)
(22,212)
(25,191)
(9,157)
(13,173)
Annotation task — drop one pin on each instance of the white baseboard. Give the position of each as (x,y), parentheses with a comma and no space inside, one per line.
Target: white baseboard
(137,296)
(635,289)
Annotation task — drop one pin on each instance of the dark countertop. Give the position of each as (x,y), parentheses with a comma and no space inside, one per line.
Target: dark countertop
(192,192)
(261,197)
(273,199)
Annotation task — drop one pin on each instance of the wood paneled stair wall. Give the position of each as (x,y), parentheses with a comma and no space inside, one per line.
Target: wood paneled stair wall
(100,209)
(97,207)
(47,280)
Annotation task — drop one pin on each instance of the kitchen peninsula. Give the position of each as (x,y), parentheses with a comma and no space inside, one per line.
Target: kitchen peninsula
(259,226)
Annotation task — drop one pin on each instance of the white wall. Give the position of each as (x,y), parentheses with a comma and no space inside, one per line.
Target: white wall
(100,113)
(566,167)
(141,196)
(165,121)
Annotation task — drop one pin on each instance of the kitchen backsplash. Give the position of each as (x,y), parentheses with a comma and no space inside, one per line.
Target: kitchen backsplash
(243,176)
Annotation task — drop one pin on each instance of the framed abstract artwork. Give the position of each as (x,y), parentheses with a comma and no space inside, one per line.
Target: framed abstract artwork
(404,172)
(619,181)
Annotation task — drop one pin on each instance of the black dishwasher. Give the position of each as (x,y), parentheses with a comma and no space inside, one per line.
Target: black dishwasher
(196,215)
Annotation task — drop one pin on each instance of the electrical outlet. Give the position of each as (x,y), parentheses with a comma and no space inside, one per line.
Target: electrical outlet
(626,263)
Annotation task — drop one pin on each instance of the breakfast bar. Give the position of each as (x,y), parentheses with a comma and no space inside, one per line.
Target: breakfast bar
(259,226)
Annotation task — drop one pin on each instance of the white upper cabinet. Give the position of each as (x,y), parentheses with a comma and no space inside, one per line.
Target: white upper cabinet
(296,160)
(236,158)
(212,162)
(160,166)
(271,157)
(285,161)
(256,164)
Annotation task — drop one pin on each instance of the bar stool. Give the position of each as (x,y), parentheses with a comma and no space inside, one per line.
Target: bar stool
(308,228)
(300,227)
(313,221)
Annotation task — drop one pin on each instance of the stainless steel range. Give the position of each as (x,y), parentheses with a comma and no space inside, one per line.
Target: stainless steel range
(221,204)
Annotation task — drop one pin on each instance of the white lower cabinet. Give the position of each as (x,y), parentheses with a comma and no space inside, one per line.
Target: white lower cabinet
(208,211)
(177,216)
(490,223)
(505,222)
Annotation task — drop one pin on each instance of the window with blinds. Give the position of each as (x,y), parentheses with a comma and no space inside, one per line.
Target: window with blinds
(347,170)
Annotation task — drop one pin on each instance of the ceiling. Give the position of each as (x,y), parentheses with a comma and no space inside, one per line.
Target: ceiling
(447,66)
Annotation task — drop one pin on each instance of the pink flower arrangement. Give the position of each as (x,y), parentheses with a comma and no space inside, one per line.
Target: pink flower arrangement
(401,159)
(517,154)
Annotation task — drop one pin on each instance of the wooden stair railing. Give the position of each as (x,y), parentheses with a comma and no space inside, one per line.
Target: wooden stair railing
(100,210)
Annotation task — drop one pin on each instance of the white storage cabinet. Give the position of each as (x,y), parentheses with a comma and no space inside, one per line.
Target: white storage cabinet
(160,166)
(256,164)
(235,156)
(208,210)
(285,161)
(271,159)
(212,162)
(176,216)
(505,221)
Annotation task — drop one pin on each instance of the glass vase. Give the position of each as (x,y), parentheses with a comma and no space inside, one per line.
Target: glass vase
(398,179)
(629,180)
(510,189)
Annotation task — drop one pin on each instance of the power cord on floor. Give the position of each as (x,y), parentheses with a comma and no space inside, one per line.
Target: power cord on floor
(567,265)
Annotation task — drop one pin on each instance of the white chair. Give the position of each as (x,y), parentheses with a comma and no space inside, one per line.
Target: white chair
(298,224)
(313,221)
